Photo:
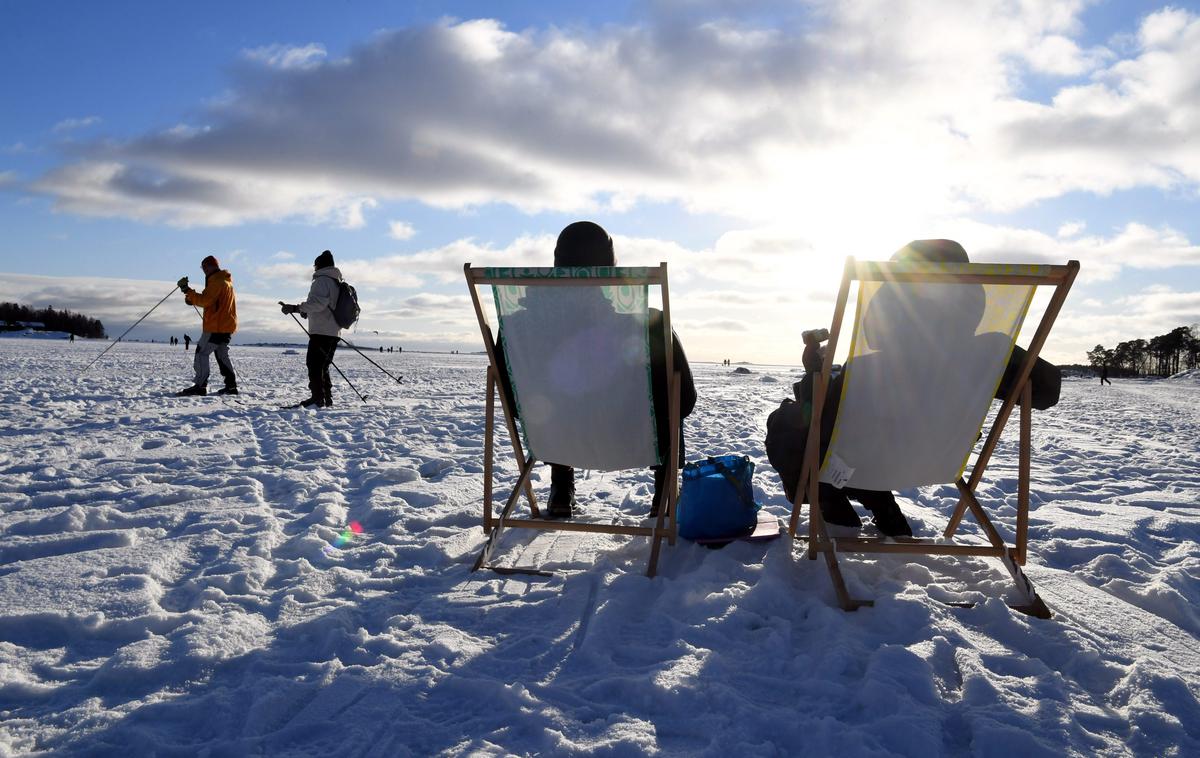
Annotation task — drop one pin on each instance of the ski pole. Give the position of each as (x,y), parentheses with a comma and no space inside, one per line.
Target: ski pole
(373,363)
(331,363)
(127,331)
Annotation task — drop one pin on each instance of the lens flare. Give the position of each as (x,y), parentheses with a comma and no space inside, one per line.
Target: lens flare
(343,539)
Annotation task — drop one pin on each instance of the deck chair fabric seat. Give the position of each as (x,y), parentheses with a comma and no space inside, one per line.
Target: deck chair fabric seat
(930,347)
(908,337)
(577,361)
(573,365)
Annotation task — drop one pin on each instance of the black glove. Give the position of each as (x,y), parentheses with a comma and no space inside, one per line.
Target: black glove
(286,308)
(183,283)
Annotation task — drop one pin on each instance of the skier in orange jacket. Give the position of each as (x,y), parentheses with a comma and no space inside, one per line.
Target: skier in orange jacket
(220,322)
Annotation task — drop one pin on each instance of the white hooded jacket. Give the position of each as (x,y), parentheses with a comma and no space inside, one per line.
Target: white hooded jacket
(322,299)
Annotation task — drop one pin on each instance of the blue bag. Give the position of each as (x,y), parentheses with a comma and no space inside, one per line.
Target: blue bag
(717,499)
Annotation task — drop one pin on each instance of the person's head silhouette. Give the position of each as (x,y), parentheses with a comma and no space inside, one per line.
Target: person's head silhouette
(584,243)
(938,315)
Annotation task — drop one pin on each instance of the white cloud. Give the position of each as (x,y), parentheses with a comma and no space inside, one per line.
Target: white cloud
(828,120)
(120,302)
(431,305)
(1135,246)
(201,198)
(1140,316)
(832,134)
(401,230)
(287,57)
(1130,127)
(74,124)
(1071,228)
(747,298)
(719,325)
(1055,54)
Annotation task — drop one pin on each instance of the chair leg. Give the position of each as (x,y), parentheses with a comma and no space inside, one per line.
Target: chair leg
(1022,538)
(819,539)
(494,538)
(1033,605)
(666,511)
(659,523)
(488,452)
(829,548)
(655,547)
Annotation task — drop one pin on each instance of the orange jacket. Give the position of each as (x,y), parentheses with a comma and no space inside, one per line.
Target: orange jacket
(218,301)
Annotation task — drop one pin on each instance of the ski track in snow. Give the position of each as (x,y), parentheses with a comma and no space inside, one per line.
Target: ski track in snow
(169,585)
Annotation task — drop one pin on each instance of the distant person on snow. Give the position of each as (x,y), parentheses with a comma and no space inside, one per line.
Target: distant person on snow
(220,322)
(187,342)
(323,330)
(1104,375)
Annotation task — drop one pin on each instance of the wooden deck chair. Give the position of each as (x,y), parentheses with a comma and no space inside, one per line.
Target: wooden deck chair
(576,347)
(929,348)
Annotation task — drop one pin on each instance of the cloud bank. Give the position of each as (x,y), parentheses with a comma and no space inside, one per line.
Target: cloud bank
(825,130)
(846,110)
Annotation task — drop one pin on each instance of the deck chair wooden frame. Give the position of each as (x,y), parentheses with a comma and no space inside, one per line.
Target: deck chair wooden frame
(1012,555)
(664,527)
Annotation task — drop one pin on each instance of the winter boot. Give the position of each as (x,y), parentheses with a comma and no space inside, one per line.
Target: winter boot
(890,521)
(227,391)
(311,402)
(198,389)
(839,512)
(562,492)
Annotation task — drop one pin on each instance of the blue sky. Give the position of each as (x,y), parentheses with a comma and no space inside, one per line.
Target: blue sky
(752,145)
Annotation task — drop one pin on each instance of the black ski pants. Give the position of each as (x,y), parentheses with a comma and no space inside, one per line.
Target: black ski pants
(321,348)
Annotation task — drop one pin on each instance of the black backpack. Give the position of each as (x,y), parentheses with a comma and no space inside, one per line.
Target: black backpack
(787,437)
(346,311)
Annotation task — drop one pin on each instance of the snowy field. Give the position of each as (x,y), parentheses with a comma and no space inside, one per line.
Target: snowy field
(178,577)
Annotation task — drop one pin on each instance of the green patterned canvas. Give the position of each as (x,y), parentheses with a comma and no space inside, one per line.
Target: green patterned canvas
(522,307)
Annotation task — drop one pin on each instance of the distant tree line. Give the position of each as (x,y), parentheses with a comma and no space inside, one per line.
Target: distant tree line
(1164,355)
(52,320)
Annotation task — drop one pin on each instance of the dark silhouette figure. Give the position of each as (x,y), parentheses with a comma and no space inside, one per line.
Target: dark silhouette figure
(1104,375)
(323,329)
(787,429)
(584,243)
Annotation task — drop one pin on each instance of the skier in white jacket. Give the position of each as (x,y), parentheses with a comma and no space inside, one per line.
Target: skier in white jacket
(323,330)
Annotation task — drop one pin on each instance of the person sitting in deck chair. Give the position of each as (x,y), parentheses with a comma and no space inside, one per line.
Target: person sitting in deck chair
(787,427)
(585,243)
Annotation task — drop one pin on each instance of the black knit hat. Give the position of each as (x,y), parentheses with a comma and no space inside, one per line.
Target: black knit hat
(584,243)
(324,260)
(932,251)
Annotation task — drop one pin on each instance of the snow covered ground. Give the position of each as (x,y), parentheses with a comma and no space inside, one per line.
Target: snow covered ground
(178,577)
